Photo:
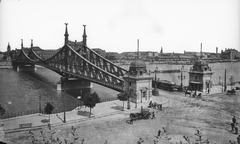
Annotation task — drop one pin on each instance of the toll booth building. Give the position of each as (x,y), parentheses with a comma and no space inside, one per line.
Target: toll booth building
(138,82)
(200,77)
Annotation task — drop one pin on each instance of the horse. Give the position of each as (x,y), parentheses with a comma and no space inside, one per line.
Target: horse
(199,96)
(188,93)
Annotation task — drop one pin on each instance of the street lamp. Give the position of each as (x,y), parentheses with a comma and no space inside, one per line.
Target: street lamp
(156,70)
(182,77)
(40,109)
(141,95)
(128,93)
(63,80)
(78,97)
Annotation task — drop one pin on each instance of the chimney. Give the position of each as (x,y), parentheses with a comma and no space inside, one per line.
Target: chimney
(216,50)
(138,49)
(21,43)
(31,43)
(201,50)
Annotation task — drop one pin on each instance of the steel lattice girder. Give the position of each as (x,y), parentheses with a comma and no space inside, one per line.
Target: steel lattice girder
(69,61)
(90,66)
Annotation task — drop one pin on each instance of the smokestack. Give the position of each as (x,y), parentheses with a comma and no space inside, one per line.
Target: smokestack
(22,43)
(201,50)
(216,50)
(138,48)
(31,43)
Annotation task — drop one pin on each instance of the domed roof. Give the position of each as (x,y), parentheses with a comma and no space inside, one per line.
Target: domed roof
(137,64)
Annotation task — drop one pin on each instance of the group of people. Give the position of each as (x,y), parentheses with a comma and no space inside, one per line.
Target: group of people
(234,125)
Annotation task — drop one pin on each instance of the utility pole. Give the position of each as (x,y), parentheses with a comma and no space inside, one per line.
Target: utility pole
(128,102)
(63,79)
(156,70)
(40,109)
(225,79)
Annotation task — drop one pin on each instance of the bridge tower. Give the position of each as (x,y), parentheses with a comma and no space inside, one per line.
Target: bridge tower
(137,82)
(69,84)
(200,77)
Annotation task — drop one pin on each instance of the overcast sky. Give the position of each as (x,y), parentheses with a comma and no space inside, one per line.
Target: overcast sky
(115,25)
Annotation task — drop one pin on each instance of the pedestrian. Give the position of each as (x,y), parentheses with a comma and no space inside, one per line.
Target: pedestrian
(233,126)
(236,129)
(238,139)
(159,133)
(153,115)
(234,120)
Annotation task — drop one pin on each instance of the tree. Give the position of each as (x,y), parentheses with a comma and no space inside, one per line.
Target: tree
(2,111)
(48,109)
(90,100)
(96,97)
(123,96)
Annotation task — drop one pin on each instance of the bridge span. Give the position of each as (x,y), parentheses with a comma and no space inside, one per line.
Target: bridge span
(80,63)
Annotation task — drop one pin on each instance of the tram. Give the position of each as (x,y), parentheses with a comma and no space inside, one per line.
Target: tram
(166,85)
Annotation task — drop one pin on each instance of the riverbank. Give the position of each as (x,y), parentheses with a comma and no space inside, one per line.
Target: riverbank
(181,116)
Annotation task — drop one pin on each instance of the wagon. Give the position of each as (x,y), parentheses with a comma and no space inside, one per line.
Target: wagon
(144,114)
(231,92)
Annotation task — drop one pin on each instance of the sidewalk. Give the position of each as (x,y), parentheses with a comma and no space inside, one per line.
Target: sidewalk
(100,110)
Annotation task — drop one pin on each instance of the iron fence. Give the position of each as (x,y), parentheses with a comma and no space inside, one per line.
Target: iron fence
(35,111)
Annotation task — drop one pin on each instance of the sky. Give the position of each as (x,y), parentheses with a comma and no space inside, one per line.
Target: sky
(115,25)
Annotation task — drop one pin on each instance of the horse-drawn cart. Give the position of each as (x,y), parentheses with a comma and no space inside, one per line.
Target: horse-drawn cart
(155,105)
(144,114)
(231,92)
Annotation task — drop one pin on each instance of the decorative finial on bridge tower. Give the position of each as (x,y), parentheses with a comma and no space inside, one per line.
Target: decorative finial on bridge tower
(66,34)
(8,48)
(31,43)
(21,43)
(84,36)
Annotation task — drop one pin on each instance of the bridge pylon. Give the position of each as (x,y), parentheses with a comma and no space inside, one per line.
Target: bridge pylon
(74,86)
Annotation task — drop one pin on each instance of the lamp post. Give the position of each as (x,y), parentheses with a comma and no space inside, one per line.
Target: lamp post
(156,70)
(40,109)
(78,97)
(63,79)
(182,77)
(141,95)
(128,93)
(149,94)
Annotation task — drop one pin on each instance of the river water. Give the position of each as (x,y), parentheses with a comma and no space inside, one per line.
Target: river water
(20,91)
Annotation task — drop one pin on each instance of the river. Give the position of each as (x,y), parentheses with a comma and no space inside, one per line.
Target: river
(21,91)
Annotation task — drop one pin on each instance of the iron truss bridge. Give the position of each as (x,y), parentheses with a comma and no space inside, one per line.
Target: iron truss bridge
(83,63)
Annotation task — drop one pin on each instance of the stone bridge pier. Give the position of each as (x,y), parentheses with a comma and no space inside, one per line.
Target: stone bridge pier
(25,67)
(74,86)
